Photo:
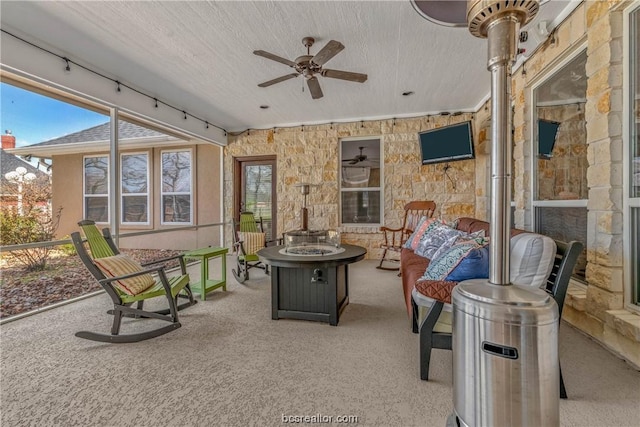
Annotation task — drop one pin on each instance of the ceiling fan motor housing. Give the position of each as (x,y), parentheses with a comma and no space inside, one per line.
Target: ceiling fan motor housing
(306,67)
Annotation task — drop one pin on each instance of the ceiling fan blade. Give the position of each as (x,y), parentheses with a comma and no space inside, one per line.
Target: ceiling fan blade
(278,80)
(274,57)
(345,75)
(330,50)
(314,87)
(354,161)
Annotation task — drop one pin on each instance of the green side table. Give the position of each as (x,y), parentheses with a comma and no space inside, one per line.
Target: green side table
(206,284)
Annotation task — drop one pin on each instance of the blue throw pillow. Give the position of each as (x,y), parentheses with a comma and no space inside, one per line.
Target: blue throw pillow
(439,268)
(475,265)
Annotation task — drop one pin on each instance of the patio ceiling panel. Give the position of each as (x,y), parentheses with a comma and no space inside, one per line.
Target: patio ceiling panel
(199,56)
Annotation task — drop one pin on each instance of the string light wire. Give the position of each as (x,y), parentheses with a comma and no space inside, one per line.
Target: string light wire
(119,85)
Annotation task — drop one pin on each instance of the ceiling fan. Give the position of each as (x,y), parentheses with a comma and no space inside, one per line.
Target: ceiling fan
(311,65)
(359,158)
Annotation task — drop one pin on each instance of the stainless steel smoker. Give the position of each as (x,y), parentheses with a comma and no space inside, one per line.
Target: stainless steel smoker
(505,337)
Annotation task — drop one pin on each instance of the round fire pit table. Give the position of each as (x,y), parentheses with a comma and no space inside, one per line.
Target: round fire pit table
(310,287)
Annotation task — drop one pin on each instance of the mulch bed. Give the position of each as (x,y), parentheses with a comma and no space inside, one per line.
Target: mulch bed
(65,277)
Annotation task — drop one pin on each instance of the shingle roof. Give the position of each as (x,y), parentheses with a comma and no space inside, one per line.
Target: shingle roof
(8,163)
(101,132)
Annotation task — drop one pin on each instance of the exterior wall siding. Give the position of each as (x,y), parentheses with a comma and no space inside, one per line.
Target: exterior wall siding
(67,193)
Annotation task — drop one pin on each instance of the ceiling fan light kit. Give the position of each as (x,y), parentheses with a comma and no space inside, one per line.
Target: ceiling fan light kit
(311,65)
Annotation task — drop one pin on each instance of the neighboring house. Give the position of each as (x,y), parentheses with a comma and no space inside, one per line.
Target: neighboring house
(8,163)
(164,181)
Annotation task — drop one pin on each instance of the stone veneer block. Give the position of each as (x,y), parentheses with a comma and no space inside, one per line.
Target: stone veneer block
(609,278)
(620,344)
(599,35)
(576,297)
(625,322)
(599,301)
(595,11)
(585,322)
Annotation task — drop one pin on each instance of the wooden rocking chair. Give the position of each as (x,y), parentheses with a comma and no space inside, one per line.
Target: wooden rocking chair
(103,248)
(394,238)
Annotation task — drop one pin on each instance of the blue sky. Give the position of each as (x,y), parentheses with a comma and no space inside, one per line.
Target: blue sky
(34,118)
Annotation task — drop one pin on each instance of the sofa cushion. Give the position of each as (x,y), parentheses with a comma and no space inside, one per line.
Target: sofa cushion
(436,289)
(412,267)
(531,259)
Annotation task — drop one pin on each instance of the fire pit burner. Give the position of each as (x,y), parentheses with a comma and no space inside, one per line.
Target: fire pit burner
(311,250)
(311,243)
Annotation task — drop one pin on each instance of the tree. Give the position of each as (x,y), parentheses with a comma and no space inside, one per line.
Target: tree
(36,223)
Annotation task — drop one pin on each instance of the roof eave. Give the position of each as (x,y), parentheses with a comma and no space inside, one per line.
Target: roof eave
(48,151)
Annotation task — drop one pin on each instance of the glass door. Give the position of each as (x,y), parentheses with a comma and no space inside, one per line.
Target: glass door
(255,190)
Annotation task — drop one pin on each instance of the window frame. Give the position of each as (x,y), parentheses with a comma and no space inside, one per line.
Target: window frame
(147,194)
(380,188)
(631,294)
(84,187)
(534,200)
(191,186)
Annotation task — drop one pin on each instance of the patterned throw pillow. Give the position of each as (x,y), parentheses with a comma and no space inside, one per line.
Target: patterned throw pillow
(251,242)
(119,265)
(423,225)
(434,238)
(463,237)
(439,268)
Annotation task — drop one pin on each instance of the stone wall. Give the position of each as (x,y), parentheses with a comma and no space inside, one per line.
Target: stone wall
(598,308)
(310,154)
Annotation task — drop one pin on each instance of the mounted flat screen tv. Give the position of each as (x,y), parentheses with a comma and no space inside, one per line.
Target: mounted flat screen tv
(547,135)
(447,144)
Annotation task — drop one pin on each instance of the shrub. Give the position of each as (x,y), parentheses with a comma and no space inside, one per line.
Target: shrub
(36,223)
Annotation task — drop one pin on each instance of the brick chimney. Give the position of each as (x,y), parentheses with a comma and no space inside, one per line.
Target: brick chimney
(8,140)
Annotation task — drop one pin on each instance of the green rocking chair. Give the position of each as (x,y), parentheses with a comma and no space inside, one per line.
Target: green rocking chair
(248,238)
(101,263)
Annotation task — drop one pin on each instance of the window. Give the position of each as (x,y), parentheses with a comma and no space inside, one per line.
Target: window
(559,156)
(632,160)
(360,182)
(96,188)
(134,188)
(176,197)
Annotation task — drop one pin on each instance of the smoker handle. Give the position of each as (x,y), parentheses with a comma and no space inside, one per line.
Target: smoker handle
(499,350)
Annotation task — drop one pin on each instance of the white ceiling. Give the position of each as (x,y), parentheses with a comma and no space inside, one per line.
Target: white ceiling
(198,55)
